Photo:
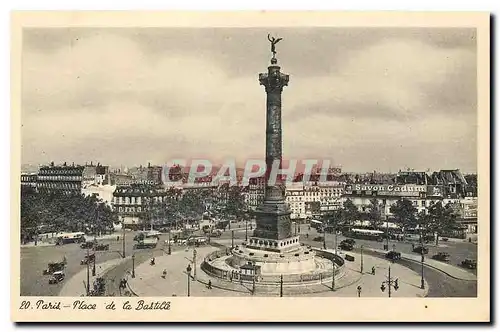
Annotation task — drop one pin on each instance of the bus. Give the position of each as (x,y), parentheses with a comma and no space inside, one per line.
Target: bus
(366,234)
(65,238)
(316,224)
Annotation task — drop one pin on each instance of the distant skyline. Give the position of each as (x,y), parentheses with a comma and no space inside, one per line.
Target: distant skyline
(366,98)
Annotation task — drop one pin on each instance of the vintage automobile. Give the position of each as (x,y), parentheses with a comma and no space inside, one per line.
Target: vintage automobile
(393,255)
(53,267)
(351,241)
(87,245)
(469,263)
(56,277)
(87,259)
(318,239)
(421,250)
(346,245)
(101,247)
(442,256)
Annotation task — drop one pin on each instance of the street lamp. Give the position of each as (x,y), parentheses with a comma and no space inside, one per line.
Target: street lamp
(361,268)
(188,270)
(169,244)
(386,234)
(232,239)
(281,285)
(246,229)
(254,276)
(133,265)
(324,236)
(390,282)
(88,272)
(422,281)
(194,264)
(93,266)
(123,237)
(333,276)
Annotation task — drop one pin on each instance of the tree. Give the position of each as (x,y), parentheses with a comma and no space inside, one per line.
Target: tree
(375,213)
(404,214)
(350,213)
(442,218)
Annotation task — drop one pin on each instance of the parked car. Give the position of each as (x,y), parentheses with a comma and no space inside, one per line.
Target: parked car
(87,245)
(351,241)
(393,255)
(319,239)
(421,250)
(56,277)
(442,256)
(87,259)
(469,263)
(346,245)
(54,267)
(101,246)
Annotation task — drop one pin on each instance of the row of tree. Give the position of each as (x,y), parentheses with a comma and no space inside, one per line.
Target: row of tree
(55,212)
(437,219)
(179,207)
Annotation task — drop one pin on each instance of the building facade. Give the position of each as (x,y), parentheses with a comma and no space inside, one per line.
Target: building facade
(133,201)
(64,179)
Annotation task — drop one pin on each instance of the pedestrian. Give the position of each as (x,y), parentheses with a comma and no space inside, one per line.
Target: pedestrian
(210,284)
(373,270)
(164,274)
(118,238)
(413,246)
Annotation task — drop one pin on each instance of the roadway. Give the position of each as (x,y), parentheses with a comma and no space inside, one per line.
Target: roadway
(34,260)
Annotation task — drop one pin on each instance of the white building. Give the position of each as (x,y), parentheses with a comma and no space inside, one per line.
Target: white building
(295,199)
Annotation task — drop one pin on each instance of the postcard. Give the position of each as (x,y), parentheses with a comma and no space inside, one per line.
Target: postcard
(215,166)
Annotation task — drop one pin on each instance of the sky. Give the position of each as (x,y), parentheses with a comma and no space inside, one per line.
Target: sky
(366,99)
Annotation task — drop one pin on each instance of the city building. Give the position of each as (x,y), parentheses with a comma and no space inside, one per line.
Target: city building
(95,174)
(29,180)
(64,178)
(254,195)
(295,199)
(132,201)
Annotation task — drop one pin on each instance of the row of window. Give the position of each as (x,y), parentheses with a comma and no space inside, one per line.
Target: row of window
(59,178)
(62,185)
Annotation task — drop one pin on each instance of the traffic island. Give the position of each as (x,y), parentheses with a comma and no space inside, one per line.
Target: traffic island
(150,281)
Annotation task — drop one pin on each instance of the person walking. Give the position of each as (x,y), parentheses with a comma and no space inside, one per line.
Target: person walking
(210,284)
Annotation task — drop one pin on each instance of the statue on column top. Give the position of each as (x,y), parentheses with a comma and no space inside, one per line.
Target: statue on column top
(273,42)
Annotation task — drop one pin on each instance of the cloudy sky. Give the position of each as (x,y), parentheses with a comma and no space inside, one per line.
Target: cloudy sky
(367,99)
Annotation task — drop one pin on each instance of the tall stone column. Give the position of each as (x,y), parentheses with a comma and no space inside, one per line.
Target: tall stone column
(273,216)
(273,81)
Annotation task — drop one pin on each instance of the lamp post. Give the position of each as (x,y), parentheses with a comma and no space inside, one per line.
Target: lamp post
(422,281)
(361,268)
(359,291)
(123,238)
(333,276)
(254,276)
(188,270)
(194,264)
(169,243)
(88,272)
(93,266)
(386,234)
(281,285)
(246,229)
(232,239)
(133,265)
(324,236)
(390,282)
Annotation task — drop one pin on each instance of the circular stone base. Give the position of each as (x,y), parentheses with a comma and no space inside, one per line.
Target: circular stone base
(301,260)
